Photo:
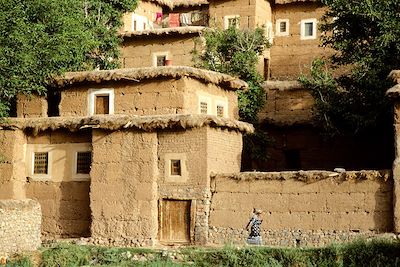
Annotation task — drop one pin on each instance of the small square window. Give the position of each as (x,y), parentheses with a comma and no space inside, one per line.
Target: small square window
(161,60)
(41,163)
(220,111)
(203,107)
(231,21)
(83,162)
(282,27)
(176,167)
(100,101)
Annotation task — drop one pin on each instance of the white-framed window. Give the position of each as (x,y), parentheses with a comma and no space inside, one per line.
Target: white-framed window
(82,164)
(40,165)
(100,101)
(204,105)
(231,21)
(159,58)
(282,27)
(221,108)
(308,29)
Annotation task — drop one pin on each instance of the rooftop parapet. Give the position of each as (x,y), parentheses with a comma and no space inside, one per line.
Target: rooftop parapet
(120,122)
(139,74)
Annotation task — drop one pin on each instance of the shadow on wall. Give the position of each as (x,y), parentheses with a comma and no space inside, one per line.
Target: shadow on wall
(383,210)
(302,147)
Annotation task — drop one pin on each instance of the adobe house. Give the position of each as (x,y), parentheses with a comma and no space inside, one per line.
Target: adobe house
(296,38)
(127,161)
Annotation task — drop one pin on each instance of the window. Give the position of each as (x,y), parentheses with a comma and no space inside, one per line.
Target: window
(40,162)
(101,101)
(308,29)
(83,161)
(282,27)
(176,167)
(231,21)
(220,111)
(221,108)
(159,58)
(102,104)
(203,107)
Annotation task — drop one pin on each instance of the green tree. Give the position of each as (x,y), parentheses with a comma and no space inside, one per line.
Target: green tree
(364,35)
(42,38)
(237,52)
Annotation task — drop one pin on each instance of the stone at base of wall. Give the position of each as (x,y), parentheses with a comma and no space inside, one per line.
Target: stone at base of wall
(292,238)
(20,223)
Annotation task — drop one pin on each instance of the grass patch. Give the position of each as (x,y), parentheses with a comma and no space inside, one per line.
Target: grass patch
(359,253)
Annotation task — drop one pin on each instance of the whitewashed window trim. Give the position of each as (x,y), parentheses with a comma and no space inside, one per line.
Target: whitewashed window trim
(228,18)
(98,92)
(159,54)
(303,35)
(37,176)
(278,27)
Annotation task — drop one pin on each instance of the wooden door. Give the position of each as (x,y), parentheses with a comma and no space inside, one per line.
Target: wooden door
(175,221)
(102,104)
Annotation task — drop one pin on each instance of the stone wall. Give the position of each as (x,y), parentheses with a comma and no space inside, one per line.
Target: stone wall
(290,55)
(123,190)
(140,51)
(19,226)
(306,208)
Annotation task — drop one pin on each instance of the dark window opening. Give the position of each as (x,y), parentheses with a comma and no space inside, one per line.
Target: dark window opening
(292,159)
(41,163)
(161,60)
(83,161)
(176,167)
(282,26)
(53,102)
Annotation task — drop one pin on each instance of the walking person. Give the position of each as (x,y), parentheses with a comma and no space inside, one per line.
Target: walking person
(254,226)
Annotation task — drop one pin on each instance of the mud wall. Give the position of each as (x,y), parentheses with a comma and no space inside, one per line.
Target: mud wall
(12,165)
(290,55)
(302,208)
(140,51)
(252,13)
(146,9)
(123,192)
(31,106)
(195,89)
(286,106)
(64,199)
(152,97)
(19,226)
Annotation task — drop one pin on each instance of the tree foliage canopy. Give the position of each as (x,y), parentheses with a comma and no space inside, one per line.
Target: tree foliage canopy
(365,37)
(236,52)
(42,38)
